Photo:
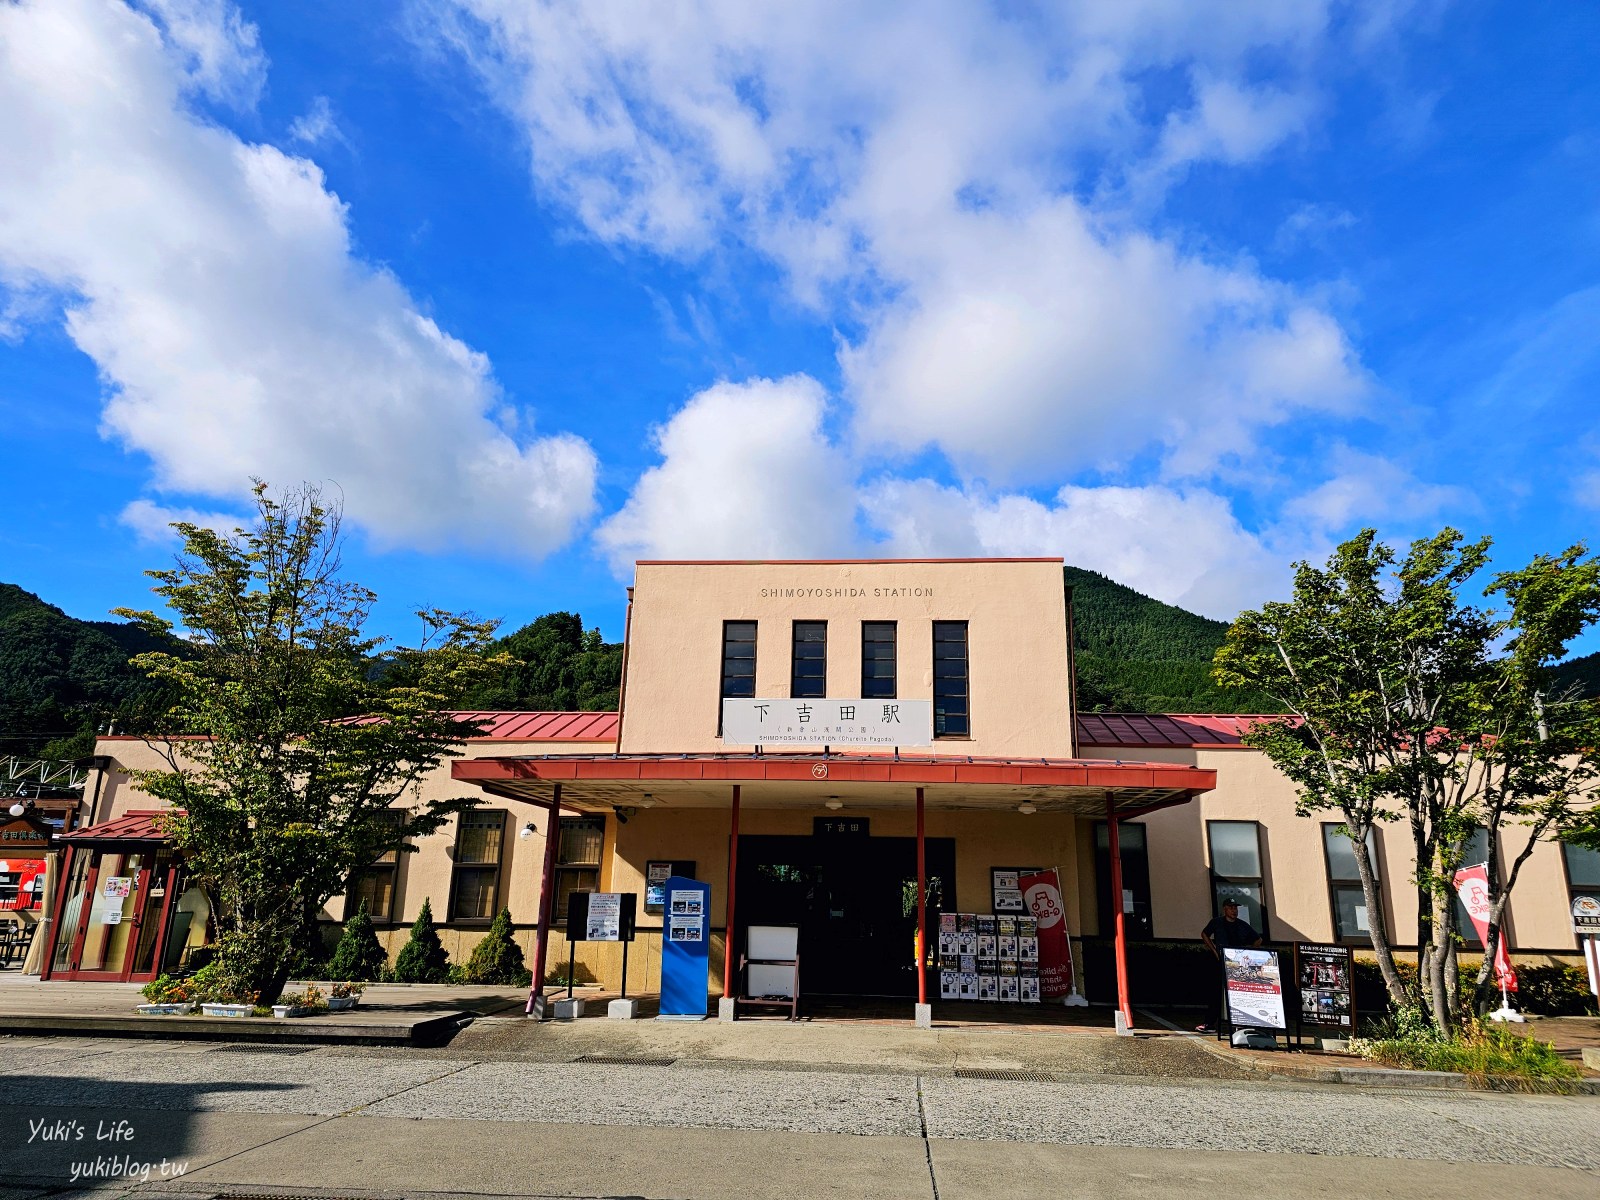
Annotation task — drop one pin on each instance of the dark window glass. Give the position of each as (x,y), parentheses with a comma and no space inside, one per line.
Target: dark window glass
(475,881)
(878,660)
(1475,852)
(738,663)
(1236,872)
(578,859)
(808,674)
(1583,868)
(1348,902)
(952,715)
(1136,920)
(376,883)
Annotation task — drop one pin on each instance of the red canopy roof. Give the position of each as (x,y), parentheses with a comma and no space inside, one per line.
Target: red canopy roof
(136,825)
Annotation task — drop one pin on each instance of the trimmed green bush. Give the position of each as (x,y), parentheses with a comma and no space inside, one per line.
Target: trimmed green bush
(423,958)
(358,956)
(498,959)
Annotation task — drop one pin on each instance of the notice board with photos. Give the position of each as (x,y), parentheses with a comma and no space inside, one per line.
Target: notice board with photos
(601,916)
(1326,982)
(1254,981)
(656,873)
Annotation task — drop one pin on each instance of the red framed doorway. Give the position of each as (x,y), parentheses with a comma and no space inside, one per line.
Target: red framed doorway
(114,909)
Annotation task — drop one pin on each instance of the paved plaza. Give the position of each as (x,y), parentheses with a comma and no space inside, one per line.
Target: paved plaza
(754,1110)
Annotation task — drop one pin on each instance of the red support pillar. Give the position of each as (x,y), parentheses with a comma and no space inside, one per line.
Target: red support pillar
(1123,1003)
(922,908)
(733,876)
(547,898)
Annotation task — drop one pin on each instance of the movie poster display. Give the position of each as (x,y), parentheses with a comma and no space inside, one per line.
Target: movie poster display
(1255,989)
(1326,982)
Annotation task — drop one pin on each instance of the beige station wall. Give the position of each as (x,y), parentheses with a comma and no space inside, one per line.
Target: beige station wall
(1017,649)
(1249,788)
(422,875)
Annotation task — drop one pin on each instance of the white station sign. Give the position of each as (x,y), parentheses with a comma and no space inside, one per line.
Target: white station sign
(827,722)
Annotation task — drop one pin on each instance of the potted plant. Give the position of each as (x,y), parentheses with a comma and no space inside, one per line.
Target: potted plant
(345,996)
(217,997)
(300,1004)
(166,997)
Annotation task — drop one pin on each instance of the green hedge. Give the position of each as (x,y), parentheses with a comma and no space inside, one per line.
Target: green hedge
(1557,990)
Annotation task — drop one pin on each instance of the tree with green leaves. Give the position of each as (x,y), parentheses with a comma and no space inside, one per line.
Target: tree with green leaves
(1408,703)
(283,753)
(423,958)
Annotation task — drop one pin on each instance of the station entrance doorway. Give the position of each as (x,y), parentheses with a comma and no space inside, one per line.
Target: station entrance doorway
(855,901)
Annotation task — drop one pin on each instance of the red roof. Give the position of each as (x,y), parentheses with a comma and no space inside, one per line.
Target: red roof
(1189,730)
(135,825)
(545,726)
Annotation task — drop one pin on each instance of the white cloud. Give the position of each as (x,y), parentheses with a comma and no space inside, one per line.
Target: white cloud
(1366,489)
(317,125)
(152,522)
(217,48)
(747,471)
(934,179)
(212,281)
(1181,546)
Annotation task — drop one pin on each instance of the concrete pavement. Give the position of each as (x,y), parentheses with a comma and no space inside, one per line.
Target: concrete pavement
(255,1121)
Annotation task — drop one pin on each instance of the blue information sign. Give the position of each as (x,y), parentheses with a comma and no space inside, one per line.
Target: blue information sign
(685,949)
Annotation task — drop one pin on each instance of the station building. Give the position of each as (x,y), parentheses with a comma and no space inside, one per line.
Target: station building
(837,827)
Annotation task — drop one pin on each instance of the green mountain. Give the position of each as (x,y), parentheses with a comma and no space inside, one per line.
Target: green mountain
(61,678)
(1580,673)
(1135,654)
(560,667)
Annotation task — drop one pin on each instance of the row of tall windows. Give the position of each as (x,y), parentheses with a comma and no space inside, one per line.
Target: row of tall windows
(1236,851)
(808,667)
(477,862)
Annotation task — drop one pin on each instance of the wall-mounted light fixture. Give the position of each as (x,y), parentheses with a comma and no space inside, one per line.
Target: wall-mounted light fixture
(527,831)
(1026,809)
(648,801)
(835,803)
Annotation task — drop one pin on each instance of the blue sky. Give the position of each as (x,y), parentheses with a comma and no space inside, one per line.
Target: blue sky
(1179,291)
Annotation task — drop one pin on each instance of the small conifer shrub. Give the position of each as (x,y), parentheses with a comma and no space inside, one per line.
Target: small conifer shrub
(358,956)
(423,958)
(498,959)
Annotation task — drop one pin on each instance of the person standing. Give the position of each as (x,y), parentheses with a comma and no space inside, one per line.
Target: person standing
(1227,932)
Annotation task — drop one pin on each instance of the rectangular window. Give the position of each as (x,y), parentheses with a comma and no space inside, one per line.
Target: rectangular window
(952,715)
(1583,872)
(1236,871)
(578,859)
(475,882)
(375,884)
(1136,919)
(808,671)
(1349,903)
(738,663)
(1474,853)
(878,678)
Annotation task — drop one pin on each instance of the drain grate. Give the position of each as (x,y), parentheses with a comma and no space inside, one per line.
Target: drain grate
(255,1048)
(1008,1076)
(625,1060)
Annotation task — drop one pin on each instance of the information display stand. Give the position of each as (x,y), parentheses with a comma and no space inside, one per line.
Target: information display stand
(685,950)
(771,969)
(599,917)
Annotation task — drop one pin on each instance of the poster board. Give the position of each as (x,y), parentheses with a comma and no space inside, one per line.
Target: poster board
(601,916)
(1005,890)
(656,873)
(1255,989)
(1324,975)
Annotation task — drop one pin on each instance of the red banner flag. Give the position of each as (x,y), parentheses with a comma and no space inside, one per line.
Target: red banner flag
(1041,892)
(1472,885)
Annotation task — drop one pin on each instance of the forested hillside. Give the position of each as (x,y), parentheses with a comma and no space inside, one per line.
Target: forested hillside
(1581,673)
(1136,654)
(60,677)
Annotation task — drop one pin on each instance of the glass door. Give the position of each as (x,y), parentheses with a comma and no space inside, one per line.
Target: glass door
(116,891)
